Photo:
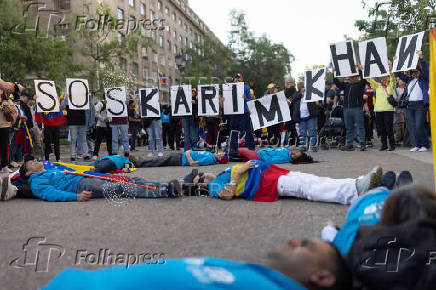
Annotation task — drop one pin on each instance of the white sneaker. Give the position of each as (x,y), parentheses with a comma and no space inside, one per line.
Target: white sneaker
(414,149)
(160,154)
(150,154)
(422,149)
(6,170)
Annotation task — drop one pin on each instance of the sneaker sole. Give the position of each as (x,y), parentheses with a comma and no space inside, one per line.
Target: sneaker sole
(376,177)
(5,185)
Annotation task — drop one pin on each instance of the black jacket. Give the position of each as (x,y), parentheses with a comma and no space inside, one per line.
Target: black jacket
(353,93)
(296,100)
(28,114)
(76,117)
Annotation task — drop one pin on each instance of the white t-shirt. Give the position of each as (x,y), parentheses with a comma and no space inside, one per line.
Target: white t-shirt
(416,93)
(304,110)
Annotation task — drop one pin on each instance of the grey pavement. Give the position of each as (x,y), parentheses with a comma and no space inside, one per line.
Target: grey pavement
(190,226)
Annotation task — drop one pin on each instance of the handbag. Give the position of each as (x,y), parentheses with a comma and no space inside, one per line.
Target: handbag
(391,99)
(404,102)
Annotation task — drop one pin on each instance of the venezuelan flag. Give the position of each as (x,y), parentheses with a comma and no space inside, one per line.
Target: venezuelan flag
(53,119)
(260,182)
(161,76)
(433,93)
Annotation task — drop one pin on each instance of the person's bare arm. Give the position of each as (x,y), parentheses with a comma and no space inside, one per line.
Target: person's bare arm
(190,160)
(10,87)
(84,196)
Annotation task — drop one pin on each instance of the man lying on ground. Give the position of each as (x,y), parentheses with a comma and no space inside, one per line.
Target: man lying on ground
(58,185)
(295,265)
(272,155)
(398,252)
(112,163)
(261,181)
(365,211)
(188,158)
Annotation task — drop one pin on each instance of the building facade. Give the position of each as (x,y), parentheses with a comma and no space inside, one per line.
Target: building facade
(179,29)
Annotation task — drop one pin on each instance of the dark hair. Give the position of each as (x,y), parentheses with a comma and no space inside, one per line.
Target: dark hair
(23,169)
(337,265)
(304,158)
(407,203)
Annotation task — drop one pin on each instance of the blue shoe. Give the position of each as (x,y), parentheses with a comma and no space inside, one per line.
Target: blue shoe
(404,178)
(388,180)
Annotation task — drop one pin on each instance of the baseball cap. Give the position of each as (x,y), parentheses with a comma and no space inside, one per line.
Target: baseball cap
(272,85)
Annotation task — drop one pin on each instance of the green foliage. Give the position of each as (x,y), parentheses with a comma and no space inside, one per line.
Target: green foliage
(396,18)
(24,54)
(259,59)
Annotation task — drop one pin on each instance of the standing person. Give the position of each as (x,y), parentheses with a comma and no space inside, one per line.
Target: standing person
(102,129)
(165,118)
(8,115)
(399,113)
(241,123)
(51,132)
(154,132)
(90,125)
(353,108)
(21,141)
(274,130)
(417,103)
(175,132)
(134,123)
(384,111)
(369,114)
(190,124)
(305,114)
(120,131)
(76,120)
(290,91)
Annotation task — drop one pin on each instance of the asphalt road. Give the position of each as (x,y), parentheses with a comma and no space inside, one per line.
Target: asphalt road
(191,226)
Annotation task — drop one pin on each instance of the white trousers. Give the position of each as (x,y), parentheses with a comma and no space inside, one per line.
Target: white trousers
(312,187)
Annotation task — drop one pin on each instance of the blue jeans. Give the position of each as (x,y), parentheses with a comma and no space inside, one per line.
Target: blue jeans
(135,128)
(308,127)
(124,138)
(190,129)
(78,133)
(416,113)
(241,123)
(154,132)
(353,117)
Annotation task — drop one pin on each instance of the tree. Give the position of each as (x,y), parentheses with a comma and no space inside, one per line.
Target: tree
(25,54)
(396,18)
(259,59)
(104,49)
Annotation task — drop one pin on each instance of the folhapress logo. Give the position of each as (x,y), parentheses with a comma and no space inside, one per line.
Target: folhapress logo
(38,254)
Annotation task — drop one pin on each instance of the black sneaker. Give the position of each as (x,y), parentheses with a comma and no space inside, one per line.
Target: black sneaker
(174,188)
(347,148)
(73,159)
(404,178)
(388,180)
(392,148)
(362,147)
(383,148)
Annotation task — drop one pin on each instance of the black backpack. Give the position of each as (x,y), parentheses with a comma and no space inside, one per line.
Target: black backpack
(395,257)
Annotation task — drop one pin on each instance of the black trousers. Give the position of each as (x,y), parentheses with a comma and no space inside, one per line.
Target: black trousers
(212,129)
(385,124)
(166,135)
(51,136)
(4,146)
(174,159)
(175,134)
(100,133)
(274,134)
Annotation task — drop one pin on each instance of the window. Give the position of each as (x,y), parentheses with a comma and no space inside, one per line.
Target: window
(63,4)
(135,69)
(144,72)
(132,3)
(120,38)
(153,35)
(174,34)
(154,58)
(167,11)
(120,14)
(170,63)
(180,21)
(174,16)
(123,64)
(169,45)
(186,41)
(161,41)
(151,15)
(142,9)
(186,27)
(175,49)
(180,38)
(159,5)
(143,32)
(162,60)
(190,45)
(132,22)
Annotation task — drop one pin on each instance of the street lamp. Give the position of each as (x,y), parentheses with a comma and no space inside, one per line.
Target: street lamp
(181,59)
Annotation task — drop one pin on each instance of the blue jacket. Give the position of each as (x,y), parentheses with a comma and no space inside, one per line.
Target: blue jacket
(248,97)
(54,185)
(366,211)
(423,80)
(275,155)
(120,161)
(188,273)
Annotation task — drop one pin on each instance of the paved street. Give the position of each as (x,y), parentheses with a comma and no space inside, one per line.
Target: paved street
(192,226)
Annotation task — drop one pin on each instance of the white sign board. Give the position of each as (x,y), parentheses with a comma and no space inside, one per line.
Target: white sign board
(314,83)
(374,57)
(406,56)
(116,102)
(149,103)
(233,98)
(78,94)
(181,100)
(208,100)
(46,96)
(343,59)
